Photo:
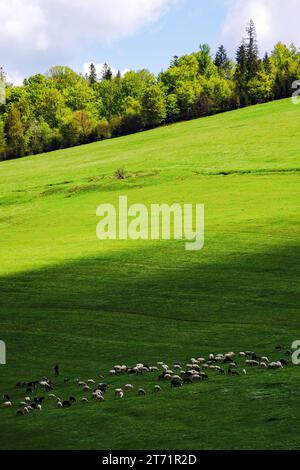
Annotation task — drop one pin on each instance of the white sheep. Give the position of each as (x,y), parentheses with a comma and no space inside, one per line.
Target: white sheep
(265,359)
(244,372)
(112,372)
(157,388)
(81,383)
(84,400)
(252,362)
(39,407)
(91,382)
(119,393)
(230,354)
(51,396)
(128,387)
(27,399)
(276,365)
(7,404)
(59,404)
(200,360)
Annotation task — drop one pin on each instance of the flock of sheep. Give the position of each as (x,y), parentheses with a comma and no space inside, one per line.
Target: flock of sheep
(196,370)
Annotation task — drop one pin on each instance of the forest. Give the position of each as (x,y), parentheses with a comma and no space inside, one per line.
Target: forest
(62,108)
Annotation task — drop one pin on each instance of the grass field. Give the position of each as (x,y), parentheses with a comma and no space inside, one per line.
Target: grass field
(67,297)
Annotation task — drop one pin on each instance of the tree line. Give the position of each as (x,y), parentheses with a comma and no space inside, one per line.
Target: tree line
(62,108)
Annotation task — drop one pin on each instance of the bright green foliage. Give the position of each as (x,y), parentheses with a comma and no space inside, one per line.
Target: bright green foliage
(194,85)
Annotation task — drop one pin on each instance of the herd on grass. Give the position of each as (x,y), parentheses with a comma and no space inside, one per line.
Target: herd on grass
(197,370)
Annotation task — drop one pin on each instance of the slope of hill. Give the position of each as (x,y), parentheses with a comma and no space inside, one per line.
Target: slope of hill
(66,297)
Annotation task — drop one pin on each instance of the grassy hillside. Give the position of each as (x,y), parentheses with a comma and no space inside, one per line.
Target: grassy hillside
(67,297)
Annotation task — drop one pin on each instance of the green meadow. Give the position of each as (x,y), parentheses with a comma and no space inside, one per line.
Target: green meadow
(67,297)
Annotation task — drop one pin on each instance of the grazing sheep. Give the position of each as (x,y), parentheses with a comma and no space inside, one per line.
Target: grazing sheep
(252,363)
(27,399)
(118,390)
(200,360)
(119,393)
(45,384)
(39,407)
(112,372)
(203,375)
(25,410)
(91,382)
(157,388)
(7,404)
(221,371)
(66,404)
(103,387)
(275,365)
(265,359)
(176,382)
(6,397)
(196,377)
(141,392)
(243,354)
(84,400)
(23,403)
(129,387)
(20,413)
(51,396)
(59,404)
(72,400)
(97,394)
(263,364)
(244,372)
(233,372)
(230,355)
(250,353)
(86,387)
(81,383)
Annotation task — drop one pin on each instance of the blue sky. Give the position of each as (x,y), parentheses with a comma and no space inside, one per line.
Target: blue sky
(132,34)
(180,31)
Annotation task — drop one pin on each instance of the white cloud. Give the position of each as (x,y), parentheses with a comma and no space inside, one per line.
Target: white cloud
(275,20)
(35,31)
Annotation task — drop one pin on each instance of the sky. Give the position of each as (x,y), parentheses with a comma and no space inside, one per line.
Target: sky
(132,34)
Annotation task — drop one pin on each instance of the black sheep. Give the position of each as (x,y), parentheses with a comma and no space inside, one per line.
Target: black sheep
(176,383)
